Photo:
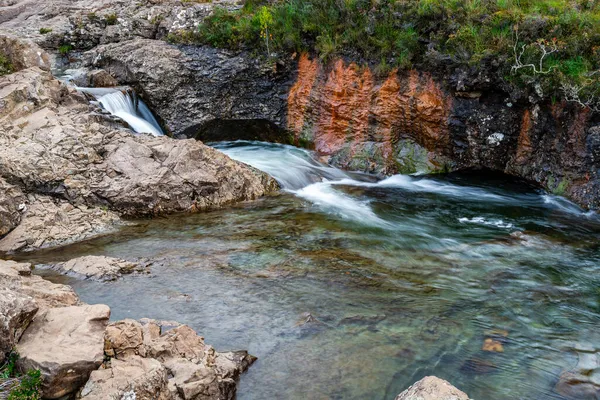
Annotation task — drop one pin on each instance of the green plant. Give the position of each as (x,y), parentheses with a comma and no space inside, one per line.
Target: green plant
(5,65)
(44,31)
(9,369)
(92,16)
(65,49)
(265,19)
(29,387)
(111,19)
(548,44)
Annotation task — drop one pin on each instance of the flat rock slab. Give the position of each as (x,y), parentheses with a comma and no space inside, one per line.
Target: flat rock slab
(432,388)
(66,344)
(18,277)
(100,268)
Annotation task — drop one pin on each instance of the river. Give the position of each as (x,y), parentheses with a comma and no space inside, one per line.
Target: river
(350,287)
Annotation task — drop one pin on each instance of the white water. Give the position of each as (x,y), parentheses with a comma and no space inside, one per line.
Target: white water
(333,190)
(131,110)
(123,103)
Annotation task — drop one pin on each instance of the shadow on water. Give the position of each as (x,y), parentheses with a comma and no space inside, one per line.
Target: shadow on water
(347,287)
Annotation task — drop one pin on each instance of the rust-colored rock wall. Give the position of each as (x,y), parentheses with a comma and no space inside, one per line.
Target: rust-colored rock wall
(344,110)
(409,122)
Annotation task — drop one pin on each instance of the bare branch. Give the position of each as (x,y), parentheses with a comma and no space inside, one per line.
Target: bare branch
(546,48)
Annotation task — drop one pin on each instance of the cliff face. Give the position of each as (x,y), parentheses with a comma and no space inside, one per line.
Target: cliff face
(408,122)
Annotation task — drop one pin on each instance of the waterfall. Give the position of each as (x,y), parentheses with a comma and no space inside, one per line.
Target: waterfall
(125,104)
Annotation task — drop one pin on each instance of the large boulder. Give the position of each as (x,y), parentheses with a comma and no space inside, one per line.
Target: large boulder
(16,312)
(23,53)
(66,345)
(99,268)
(432,388)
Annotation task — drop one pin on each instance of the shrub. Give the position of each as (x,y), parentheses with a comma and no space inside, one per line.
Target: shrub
(5,65)
(402,33)
(65,49)
(44,31)
(29,388)
(111,19)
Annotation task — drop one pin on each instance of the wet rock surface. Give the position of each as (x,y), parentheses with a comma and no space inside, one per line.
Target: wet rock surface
(100,268)
(583,381)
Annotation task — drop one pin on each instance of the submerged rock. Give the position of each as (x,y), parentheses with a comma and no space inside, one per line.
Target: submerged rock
(432,388)
(583,381)
(100,268)
(66,345)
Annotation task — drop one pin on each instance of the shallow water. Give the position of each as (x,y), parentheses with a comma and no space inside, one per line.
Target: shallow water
(402,278)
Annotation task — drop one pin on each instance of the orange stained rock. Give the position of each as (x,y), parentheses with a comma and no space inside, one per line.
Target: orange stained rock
(344,108)
(524,142)
(387,111)
(299,96)
(493,346)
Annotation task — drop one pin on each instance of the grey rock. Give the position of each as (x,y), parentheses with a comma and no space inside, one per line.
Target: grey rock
(432,388)
(16,312)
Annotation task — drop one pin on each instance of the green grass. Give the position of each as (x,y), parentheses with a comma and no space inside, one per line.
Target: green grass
(65,49)
(44,31)
(6,66)
(403,34)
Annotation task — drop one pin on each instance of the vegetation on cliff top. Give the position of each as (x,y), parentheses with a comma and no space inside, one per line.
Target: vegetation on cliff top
(550,46)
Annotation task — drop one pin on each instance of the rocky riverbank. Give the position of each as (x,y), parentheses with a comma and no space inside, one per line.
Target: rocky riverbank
(70,171)
(80,353)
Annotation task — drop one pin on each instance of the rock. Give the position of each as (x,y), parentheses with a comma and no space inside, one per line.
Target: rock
(99,268)
(432,388)
(12,203)
(233,363)
(196,370)
(23,54)
(16,312)
(492,345)
(101,78)
(181,342)
(17,276)
(216,84)
(66,345)
(135,378)
(47,222)
(126,338)
(81,171)
(583,381)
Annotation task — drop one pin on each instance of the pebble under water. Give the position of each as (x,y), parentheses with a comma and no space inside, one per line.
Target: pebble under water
(349,287)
